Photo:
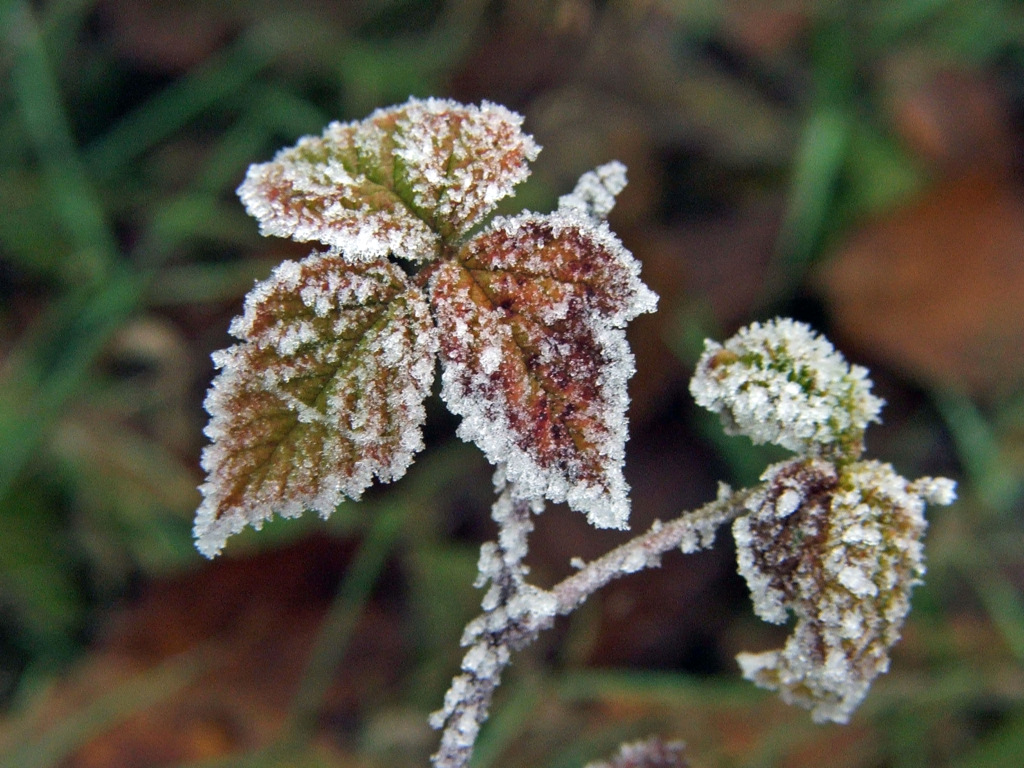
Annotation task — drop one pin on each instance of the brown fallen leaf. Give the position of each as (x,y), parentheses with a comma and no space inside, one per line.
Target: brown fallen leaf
(936,289)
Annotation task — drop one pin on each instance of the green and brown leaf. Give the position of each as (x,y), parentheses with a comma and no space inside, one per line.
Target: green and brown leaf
(324,394)
(401,182)
(326,391)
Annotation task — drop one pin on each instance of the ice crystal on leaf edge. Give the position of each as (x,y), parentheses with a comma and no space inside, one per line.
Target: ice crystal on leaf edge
(324,393)
(398,183)
(535,357)
(842,556)
(780,382)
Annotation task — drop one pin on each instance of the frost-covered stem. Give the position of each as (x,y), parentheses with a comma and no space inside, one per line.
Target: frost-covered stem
(514,613)
(691,531)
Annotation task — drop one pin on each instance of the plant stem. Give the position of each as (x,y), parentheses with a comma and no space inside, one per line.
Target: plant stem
(511,620)
(691,531)
(515,612)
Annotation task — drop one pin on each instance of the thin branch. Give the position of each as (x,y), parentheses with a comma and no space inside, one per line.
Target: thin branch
(691,531)
(514,614)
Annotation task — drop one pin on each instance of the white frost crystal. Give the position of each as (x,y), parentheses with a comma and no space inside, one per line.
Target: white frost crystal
(779,382)
(653,753)
(843,560)
(534,355)
(325,392)
(514,612)
(832,541)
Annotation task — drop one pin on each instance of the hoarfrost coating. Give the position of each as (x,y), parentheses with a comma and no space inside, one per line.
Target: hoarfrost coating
(779,382)
(595,192)
(834,541)
(325,392)
(535,359)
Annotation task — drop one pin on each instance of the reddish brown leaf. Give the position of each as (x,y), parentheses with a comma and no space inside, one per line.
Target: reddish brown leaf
(530,320)
(324,394)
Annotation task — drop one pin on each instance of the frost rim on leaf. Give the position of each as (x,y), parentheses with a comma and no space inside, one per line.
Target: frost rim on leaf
(596,190)
(841,550)
(411,181)
(400,182)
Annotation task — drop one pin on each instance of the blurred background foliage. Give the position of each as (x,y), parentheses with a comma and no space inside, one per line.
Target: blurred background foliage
(853,164)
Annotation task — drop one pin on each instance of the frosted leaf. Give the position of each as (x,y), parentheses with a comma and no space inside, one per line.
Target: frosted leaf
(781,383)
(843,562)
(399,182)
(324,393)
(535,359)
(595,192)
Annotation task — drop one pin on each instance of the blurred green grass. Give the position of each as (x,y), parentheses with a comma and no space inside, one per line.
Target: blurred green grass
(123,254)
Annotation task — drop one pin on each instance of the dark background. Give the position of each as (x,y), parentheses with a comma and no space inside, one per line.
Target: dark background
(855,165)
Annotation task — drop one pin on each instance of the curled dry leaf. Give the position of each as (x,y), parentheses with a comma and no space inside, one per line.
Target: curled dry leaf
(841,549)
(400,182)
(325,393)
(530,318)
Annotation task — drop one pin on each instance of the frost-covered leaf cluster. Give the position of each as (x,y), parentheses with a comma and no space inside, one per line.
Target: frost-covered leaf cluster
(325,390)
(324,394)
(840,550)
(779,382)
(828,539)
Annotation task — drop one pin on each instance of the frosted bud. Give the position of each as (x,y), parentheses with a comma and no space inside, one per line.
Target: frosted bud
(595,192)
(779,382)
(840,550)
